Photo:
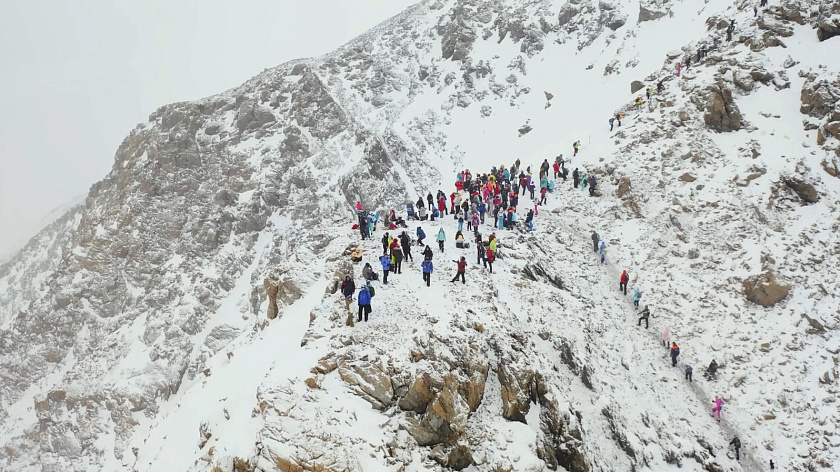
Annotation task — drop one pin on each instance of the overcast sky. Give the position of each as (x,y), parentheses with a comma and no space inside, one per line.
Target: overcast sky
(78,76)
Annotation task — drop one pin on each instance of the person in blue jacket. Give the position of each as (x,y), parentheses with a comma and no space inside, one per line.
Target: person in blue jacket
(386,267)
(482,208)
(427,272)
(421,235)
(364,301)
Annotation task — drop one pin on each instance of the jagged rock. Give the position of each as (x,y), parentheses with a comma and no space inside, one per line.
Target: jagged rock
(721,112)
(516,391)
(457,36)
(804,190)
(829,25)
(548,96)
(567,12)
(419,394)
(743,80)
(820,96)
(687,177)
(473,389)
(460,457)
(832,128)
(524,129)
(369,381)
(220,336)
(651,10)
(764,290)
(271,289)
(820,137)
(623,187)
(446,417)
(251,115)
(635,86)
(328,363)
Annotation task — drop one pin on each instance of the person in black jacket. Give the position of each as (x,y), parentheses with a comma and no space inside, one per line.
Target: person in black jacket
(712,370)
(385,243)
(431,200)
(675,352)
(575,178)
(427,253)
(348,288)
(592,183)
(736,443)
(405,242)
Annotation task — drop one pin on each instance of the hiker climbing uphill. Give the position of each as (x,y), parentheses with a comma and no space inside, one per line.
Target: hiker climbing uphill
(427,254)
(718,401)
(622,282)
(462,267)
(576,146)
(575,178)
(421,235)
(441,238)
(675,352)
(644,315)
(637,297)
(688,370)
(711,371)
(595,240)
(736,443)
(348,288)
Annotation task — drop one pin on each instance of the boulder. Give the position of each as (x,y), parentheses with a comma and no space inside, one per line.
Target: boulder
(820,95)
(721,112)
(419,394)
(220,336)
(804,190)
(368,380)
(251,115)
(651,10)
(764,290)
(635,86)
(567,12)
(516,391)
(832,128)
(743,80)
(828,28)
(623,187)
(446,417)
(271,289)
(688,177)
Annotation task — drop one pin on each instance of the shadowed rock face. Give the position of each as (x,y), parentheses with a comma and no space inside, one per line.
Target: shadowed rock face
(721,111)
(764,290)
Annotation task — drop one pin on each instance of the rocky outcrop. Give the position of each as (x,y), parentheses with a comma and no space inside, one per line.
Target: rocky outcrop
(446,417)
(457,34)
(636,85)
(820,96)
(721,111)
(271,289)
(764,290)
(517,385)
(252,115)
(806,192)
(650,10)
(419,394)
(369,380)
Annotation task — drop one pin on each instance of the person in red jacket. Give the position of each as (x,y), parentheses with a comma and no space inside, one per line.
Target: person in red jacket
(622,283)
(442,206)
(452,201)
(489,258)
(556,169)
(462,267)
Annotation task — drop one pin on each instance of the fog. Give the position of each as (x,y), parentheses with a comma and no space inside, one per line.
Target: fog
(78,76)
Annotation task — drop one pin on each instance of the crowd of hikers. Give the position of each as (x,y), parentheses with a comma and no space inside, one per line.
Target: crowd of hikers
(492,202)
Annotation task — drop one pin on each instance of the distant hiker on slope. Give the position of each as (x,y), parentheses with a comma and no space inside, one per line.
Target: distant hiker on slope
(612,121)
(637,296)
(592,183)
(649,92)
(386,241)
(644,315)
(364,301)
(718,407)
(660,86)
(427,271)
(428,254)
(711,371)
(385,260)
(489,258)
(421,235)
(405,242)
(544,168)
(556,165)
(679,68)
(622,282)
(736,443)
(576,146)
(675,352)
(595,239)
(575,178)
(348,288)
(397,257)
(462,267)
(688,371)
(441,238)
(602,249)
(431,200)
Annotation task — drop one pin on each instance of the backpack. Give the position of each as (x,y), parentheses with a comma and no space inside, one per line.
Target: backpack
(371,291)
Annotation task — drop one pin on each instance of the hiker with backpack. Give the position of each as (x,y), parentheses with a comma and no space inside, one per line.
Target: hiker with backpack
(612,121)
(622,282)
(644,315)
(385,260)
(365,296)
(675,352)
(427,268)
(489,257)
(637,297)
(441,238)
(462,267)
(736,443)
(348,288)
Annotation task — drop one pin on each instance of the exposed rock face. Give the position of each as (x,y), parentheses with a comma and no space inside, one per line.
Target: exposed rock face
(369,380)
(516,391)
(764,290)
(446,417)
(804,190)
(623,187)
(820,96)
(635,86)
(252,115)
(828,21)
(220,336)
(721,111)
(650,10)
(419,394)
(271,289)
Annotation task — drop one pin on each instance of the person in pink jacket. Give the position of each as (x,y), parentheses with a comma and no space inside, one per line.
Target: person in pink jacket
(718,407)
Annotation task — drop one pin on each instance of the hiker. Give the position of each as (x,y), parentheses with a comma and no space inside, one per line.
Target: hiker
(688,371)
(462,267)
(622,282)
(385,243)
(368,273)
(556,164)
(660,86)
(460,221)
(386,267)
(772,465)
(489,257)
(675,352)
(583,182)
(649,92)
(718,407)
(612,121)
(637,296)
(711,371)
(397,257)
(688,62)
(755,11)
(427,271)
(405,242)
(365,296)
(441,238)
(409,211)
(592,183)
(595,239)
(639,101)
(602,249)
(679,68)
(431,201)
(576,177)
(619,117)
(428,254)
(459,240)
(576,145)
(644,315)
(421,235)
(736,443)
(348,288)
(475,221)
(480,250)
(544,168)
(543,190)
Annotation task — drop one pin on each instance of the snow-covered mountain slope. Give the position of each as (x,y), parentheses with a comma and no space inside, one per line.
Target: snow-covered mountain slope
(134,332)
